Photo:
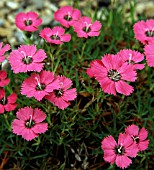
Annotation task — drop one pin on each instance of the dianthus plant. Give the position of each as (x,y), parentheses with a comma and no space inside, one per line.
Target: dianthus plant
(43,80)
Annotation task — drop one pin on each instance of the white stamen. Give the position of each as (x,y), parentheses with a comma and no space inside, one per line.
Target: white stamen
(134,138)
(119,149)
(30,121)
(56,34)
(26,57)
(23,54)
(87,26)
(38,83)
(130,58)
(69,15)
(3,100)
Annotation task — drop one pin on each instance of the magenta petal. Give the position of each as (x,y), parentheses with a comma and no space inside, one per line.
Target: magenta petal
(18,126)
(4,82)
(3,74)
(69,94)
(39,56)
(24,113)
(123,161)
(91,34)
(132,149)
(65,37)
(125,140)
(108,143)
(143,134)
(38,95)
(32,15)
(107,85)
(10,107)
(2,93)
(51,97)
(132,130)
(46,77)
(124,88)
(109,156)
(38,115)
(28,134)
(143,145)
(40,128)
(76,14)
(62,104)
(96,26)
(2,58)
(1,109)
(12,98)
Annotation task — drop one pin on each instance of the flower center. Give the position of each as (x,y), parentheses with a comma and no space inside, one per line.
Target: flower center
(136,139)
(149,33)
(39,86)
(3,101)
(130,61)
(27,59)
(119,150)
(30,123)
(55,36)
(68,17)
(114,75)
(59,92)
(28,22)
(87,27)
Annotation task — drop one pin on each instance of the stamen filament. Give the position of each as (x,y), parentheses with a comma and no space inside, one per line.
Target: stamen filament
(38,83)
(87,26)
(130,58)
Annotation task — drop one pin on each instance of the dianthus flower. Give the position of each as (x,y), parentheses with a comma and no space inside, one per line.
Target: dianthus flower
(7,103)
(132,57)
(63,95)
(149,52)
(29,123)
(55,35)
(28,21)
(26,58)
(39,85)
(119,153)
(84,27)
(4,81)
(66,15)
(90,71)
(138,136)
(3,50)
(111,73)
(144,31)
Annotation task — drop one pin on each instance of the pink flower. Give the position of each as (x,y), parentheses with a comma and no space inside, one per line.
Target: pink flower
(132,57)
(7,103)
(39,85)
(63,95)
(3,50)
(28,124)
(26,58)
(66,15)
(55,35)
(149,52)
(28,21)
(111,73)
(4,81)
(138,136)
(85,28)
(119,153)
(144,31)
(90,71)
